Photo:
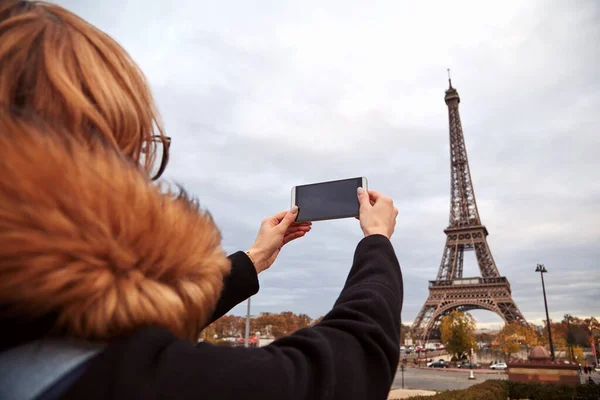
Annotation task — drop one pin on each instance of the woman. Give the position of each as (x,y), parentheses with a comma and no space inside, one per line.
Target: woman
(109,280)
(54,63)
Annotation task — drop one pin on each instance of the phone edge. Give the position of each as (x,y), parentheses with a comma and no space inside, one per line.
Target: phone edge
(293,202)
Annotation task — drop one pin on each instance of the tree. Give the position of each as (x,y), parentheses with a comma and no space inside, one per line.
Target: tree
(531,336)
(578,353)
(508,346)
(281,324)
(208,334)
(405,332)
(265,323)
(594,331)
(559,335)
(578,330)
(229,326)
(457,332)
(304,321)
(514,335)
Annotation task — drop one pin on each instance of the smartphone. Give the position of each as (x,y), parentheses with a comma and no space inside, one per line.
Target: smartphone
(328,200)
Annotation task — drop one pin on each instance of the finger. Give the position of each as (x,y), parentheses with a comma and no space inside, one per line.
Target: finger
(293,236)
(373,195)
(288,219)
(279,216)
(379,198)
(302,224)
(293,229)
(274,220)
(363,197)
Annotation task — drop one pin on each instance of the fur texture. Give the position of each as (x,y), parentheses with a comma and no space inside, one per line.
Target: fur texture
(86,236)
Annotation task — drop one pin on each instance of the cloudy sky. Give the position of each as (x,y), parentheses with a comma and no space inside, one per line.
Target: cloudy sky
(260,96)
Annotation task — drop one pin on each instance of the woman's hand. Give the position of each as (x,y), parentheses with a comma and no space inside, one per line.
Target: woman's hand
(274,233)
(377,213)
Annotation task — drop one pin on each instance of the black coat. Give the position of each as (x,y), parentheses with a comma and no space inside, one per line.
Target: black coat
(352,353)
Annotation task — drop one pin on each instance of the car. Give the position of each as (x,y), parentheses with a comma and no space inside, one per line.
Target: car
(402,347)
(469,365)
(437,364)
(499,365)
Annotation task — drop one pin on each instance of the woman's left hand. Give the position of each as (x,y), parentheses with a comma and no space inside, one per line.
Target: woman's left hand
(274,233)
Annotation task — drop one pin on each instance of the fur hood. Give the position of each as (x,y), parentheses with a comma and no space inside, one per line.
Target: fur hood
(85,236)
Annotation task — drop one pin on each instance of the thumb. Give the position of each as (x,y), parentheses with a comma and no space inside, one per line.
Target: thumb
(363,197)
(289,218)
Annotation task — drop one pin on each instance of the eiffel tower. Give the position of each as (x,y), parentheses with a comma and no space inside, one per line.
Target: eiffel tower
(450,291)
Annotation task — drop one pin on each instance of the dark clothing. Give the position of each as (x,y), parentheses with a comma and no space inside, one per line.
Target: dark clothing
(352,353)
(241,283)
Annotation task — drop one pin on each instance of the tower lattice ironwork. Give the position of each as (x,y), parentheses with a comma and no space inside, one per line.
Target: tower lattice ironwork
(450,291)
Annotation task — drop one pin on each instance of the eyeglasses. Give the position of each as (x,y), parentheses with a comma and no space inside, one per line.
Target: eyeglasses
(161,145)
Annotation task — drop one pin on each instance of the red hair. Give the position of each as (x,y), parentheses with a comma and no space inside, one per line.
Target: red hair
(104,265)
(66,70)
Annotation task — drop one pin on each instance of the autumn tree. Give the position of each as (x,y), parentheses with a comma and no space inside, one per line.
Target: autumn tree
(575,354)
(593,327)
(281,324)
(265,323)
(405,332)
(457,332)
(559,336)
(229,326)
(578,330)
(286,323)
(304,321)
(208,334)
(508,345)
(578,333)
(514,335)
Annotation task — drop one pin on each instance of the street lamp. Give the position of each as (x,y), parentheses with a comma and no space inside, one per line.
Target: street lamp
(403,368)
(247,337)
(542,270)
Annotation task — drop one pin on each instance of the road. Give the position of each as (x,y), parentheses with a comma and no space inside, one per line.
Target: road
(452,379)
(433,379)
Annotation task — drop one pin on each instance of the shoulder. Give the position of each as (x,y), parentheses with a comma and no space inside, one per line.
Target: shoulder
(153,363)
(126,368)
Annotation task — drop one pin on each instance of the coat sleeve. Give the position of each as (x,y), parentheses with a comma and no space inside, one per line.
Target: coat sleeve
(352,353)
(241,283)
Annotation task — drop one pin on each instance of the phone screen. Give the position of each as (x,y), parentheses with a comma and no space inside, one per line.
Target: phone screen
(328,200)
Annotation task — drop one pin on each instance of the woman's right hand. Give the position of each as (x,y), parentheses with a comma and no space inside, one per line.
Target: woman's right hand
(377,213)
